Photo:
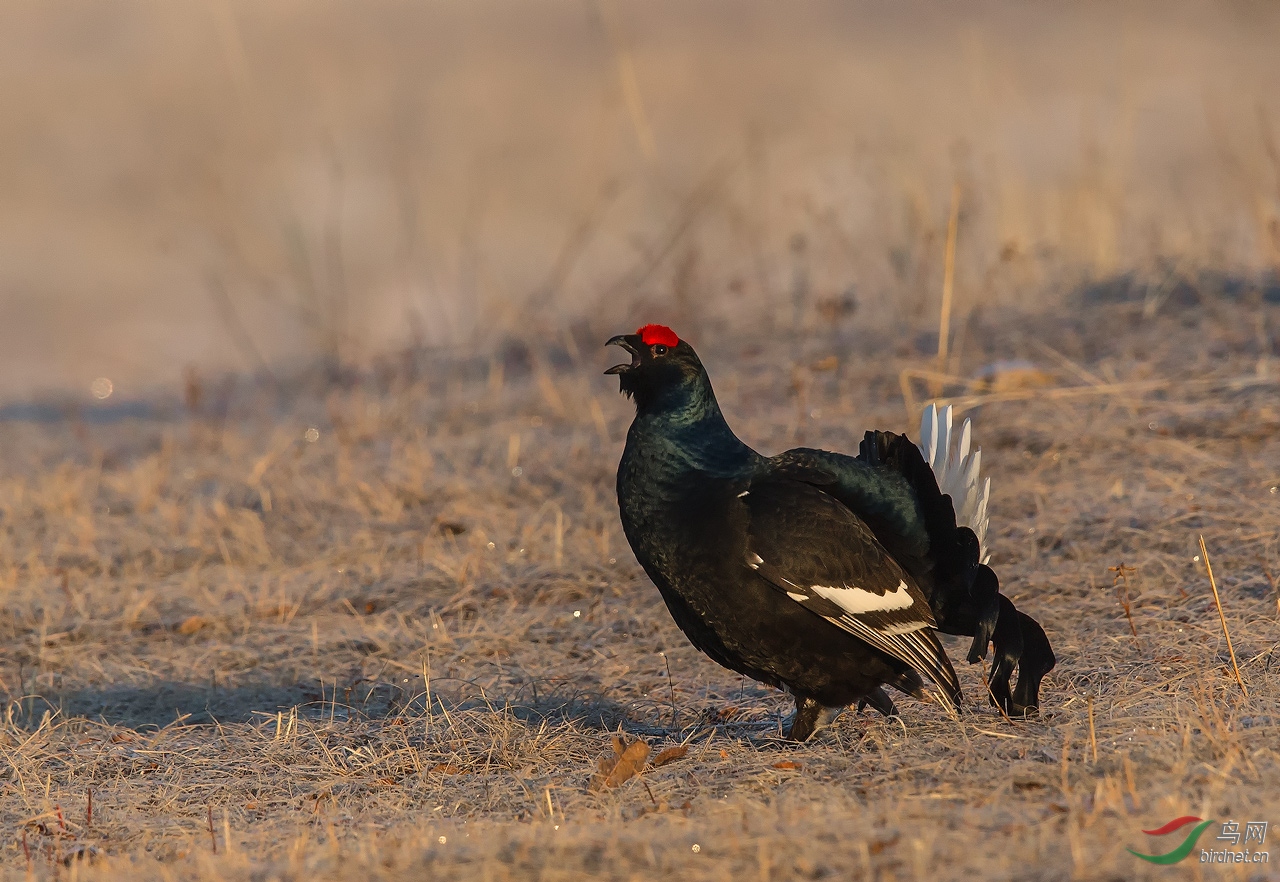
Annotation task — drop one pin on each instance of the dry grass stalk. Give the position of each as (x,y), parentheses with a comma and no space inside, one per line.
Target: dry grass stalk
(1221,616)
(1120,582)
(1271,580)
(948,284)
(628,80)
(1065,770)
(1068,393)
(1093,735)
(558,552)
(671,689)
(1131,784)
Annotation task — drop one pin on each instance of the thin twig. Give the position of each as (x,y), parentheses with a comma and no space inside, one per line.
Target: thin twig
(992,695)
(580,236)
(1221,616)
(675,713)
(707,190)
(236,328)
(212,837)
(1057,393)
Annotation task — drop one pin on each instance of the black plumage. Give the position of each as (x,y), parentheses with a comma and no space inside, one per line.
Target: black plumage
(821,574)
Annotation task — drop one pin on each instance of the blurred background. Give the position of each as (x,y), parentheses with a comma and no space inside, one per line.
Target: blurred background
(228,185)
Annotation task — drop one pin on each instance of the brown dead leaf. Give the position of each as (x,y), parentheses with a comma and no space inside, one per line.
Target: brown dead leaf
(875,846)
(788,765)
(670,755)
(724,754)
(626,762)
(190,625)
(447,769)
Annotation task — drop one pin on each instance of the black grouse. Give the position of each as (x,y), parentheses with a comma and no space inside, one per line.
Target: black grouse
(818,573)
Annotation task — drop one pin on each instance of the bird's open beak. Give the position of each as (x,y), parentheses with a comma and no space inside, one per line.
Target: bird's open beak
(626,341)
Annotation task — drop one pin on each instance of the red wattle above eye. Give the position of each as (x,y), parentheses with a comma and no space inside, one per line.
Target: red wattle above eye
(652,335)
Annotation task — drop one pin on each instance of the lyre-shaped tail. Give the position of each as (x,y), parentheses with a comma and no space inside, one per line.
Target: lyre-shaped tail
(957,469)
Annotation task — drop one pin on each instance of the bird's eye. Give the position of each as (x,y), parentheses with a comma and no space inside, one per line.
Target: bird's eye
(659,349)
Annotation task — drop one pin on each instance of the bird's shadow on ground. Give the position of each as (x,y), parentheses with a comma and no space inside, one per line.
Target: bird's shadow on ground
(161,703)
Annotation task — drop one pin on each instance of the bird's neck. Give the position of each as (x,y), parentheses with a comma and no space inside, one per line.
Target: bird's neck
(687,426)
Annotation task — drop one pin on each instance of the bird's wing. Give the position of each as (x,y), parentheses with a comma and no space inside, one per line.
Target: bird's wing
(813,548)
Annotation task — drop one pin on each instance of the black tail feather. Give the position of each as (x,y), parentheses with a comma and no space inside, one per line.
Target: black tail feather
(909,683)
(985,592)
(1037,660)
(880,700)
(964,593)
(1008,650)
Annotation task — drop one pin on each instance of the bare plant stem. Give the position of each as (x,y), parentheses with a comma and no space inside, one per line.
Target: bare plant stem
(671,687)
(948,284)
(1221,616)
(1093,735)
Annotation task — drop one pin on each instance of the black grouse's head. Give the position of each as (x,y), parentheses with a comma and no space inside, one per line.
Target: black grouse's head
(664,371)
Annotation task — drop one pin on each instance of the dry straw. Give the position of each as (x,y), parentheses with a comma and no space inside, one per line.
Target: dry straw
(433,593)
(948,286)
(1093,735)
(1221,617)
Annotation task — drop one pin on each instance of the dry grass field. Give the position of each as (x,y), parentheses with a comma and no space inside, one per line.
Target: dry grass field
(387,626)
(331,585)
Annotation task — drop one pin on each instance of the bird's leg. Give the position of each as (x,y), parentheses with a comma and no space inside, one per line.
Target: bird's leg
(810,716)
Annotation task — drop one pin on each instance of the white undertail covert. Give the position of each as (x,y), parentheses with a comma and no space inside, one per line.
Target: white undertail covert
(957,469)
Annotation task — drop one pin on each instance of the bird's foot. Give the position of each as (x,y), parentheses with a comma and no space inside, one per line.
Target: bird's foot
(810,716)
